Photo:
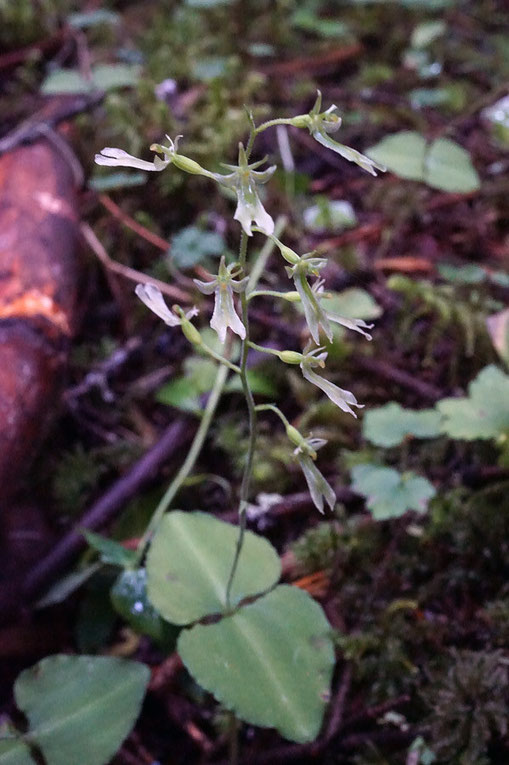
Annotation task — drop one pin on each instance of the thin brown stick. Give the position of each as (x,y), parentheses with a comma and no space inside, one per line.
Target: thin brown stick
(130,273)
(126,219)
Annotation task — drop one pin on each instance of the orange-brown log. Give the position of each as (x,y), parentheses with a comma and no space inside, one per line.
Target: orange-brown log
(38,293)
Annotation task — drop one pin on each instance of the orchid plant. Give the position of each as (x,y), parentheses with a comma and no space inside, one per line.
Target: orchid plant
(233,288)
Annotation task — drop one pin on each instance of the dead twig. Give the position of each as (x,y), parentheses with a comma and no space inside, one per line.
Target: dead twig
(126,271)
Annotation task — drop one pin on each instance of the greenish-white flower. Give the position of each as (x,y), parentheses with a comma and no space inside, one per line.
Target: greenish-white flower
(320,124)
(319,488)
(120,158)
(244,179)
(153,299)
(358,325)
(342,398)
(223,286)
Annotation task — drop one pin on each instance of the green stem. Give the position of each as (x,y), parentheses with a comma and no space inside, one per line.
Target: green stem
(273,123)
(276,410)
(188,464)
(219,358)
(264,255)
(263,349)
(248,468)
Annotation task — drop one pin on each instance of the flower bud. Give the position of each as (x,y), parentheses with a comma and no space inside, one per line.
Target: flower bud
(289,255)
(300,121)
(291,357)
(295,437)
(188,165)
(191,333)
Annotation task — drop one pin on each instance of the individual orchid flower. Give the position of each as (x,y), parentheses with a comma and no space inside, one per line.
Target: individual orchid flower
(223,286)
(319,488)
(120,158)
(306,456)
(358,325)
(245,179)
(320,124)
(342,398)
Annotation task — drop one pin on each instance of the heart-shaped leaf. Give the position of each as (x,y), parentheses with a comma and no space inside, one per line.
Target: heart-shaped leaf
(389,425)
(271,662)
(81,708)
(449,167)
(390,494)
(442,164)
(484,413)
(189,563)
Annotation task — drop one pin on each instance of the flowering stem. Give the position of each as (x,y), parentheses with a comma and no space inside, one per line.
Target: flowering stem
(248,468)
(187,465)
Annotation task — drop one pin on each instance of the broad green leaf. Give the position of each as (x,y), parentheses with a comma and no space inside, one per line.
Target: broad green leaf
(353,303)
(484,413)
(110,551)
(271,662)
(443,164)
(130,600)
(402,153)
(390,494)
(104,77)
(469,274)
(189,563)
(66,81)
(15,753)
(449,167)
(306,19)
(81,708)
(111,76)
(389,425)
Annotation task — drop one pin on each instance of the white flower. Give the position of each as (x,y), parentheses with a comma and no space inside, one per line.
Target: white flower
(120,158)
(342,398)
(319,488)
(223,286)
(153,299)
(320,124)
(244,179)
(358,325)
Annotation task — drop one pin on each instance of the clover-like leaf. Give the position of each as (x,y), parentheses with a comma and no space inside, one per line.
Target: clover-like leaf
(389,494)
(484,413)
(442,164)
(389,425)
(80,708)
(271,662)
(189,563)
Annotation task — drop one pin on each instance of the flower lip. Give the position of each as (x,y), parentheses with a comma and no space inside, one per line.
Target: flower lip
(153,299)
